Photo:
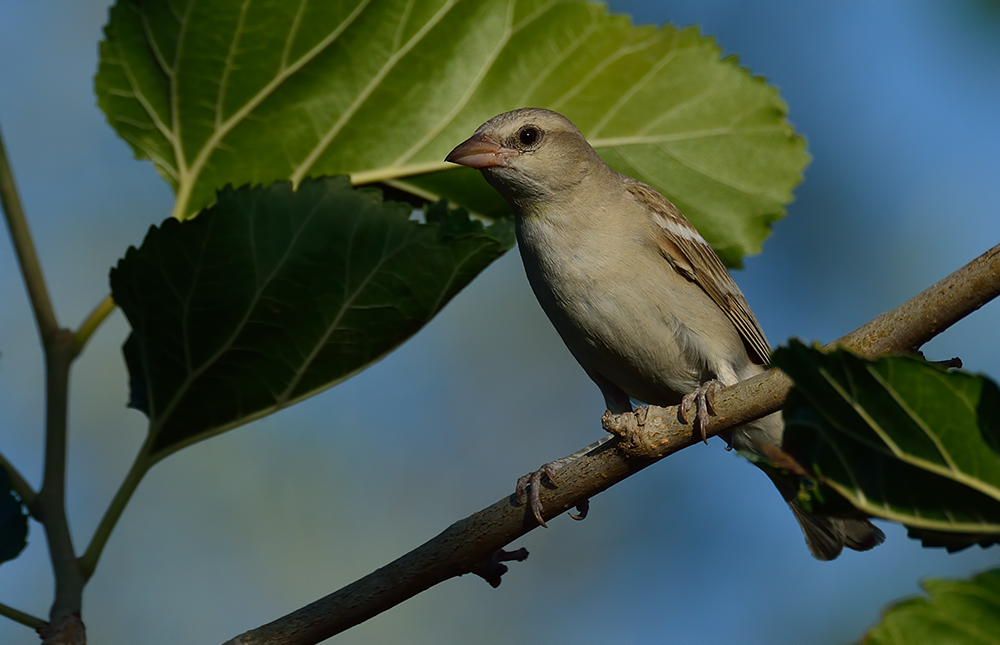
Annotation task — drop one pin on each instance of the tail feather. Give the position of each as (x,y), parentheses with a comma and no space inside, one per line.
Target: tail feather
(826,537)
(860,534)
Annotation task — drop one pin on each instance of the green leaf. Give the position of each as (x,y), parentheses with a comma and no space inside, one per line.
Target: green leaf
(13,521)
(220,92)
(899,438)
(273,295)
(958,612)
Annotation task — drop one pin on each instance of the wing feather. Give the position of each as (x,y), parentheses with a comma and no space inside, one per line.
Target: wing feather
(692,257)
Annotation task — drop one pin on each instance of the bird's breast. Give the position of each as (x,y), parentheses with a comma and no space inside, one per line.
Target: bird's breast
(615,304)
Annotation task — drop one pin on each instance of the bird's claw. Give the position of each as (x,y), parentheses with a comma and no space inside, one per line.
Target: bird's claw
(703,400)
(532,483)
(582,508)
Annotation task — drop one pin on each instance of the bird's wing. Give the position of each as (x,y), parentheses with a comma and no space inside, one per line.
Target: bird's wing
(692,257)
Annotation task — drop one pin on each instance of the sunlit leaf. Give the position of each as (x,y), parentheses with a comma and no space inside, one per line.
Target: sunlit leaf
(899,438)
(957,612)
(219,92)
(272,295)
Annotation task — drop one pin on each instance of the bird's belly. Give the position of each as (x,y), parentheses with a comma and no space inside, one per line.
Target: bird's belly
(629,332)
(640,350)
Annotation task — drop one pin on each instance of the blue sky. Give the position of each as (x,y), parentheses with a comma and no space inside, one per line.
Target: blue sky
(899,103)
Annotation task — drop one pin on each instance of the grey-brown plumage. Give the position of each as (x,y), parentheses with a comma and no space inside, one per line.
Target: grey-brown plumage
(638,296)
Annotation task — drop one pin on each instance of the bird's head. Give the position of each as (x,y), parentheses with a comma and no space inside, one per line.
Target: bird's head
(531,156)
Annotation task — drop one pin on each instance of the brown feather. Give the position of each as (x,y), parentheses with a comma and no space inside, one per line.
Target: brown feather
(691,256)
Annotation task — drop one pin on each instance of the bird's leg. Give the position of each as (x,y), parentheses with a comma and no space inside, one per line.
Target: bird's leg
(532,483)
(703,400)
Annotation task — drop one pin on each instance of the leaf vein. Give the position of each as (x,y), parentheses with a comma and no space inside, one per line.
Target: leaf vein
(292,33)
(156,425)
(631,92)
(557,62)
(228,66)
(310,159)
(472,88)
(186,187)
(600,68)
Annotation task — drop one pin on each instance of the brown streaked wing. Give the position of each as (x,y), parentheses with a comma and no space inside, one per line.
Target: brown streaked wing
(700,264)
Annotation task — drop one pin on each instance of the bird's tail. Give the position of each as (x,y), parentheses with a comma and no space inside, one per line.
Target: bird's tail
(825,536)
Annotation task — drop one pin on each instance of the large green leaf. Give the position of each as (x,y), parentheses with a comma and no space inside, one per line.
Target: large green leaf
(899,438)
(958,612)
(272,295)
(13,521)
(220,92)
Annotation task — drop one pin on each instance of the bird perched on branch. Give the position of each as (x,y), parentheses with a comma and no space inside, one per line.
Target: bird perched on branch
(638,296)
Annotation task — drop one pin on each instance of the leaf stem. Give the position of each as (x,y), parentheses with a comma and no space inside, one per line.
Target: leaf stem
(93,321)
(88,561)
(21,617)
(34,280)
(19,483)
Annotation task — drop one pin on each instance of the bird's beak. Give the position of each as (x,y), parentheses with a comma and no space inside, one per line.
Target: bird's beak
(480,152)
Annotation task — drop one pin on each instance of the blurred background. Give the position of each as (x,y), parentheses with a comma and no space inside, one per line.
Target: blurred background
(899,101)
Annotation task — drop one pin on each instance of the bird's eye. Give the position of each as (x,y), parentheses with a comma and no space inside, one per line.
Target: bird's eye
(529,135)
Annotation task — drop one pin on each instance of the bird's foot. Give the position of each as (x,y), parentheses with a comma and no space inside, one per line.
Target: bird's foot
(703,400)
(532,485)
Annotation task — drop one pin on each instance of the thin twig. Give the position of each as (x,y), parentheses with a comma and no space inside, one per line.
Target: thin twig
(21,617)
(88,561)
(468,542)
(27,258)
(93,321)
(18,483)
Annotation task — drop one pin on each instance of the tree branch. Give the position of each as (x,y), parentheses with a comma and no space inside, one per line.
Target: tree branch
(463,546)
(48,506)
(50,503)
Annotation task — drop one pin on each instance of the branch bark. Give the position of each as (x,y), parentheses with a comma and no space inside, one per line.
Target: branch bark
(60,346)
(465,545)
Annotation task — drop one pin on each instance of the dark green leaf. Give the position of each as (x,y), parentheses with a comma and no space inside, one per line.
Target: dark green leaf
(220,92)
(958,612)
(272,295)
(13,521)
(899,438)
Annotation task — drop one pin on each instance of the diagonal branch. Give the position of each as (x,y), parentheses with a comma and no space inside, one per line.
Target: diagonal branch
(465,545)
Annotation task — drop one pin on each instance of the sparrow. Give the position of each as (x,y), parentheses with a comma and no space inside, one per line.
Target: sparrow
(639,297)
